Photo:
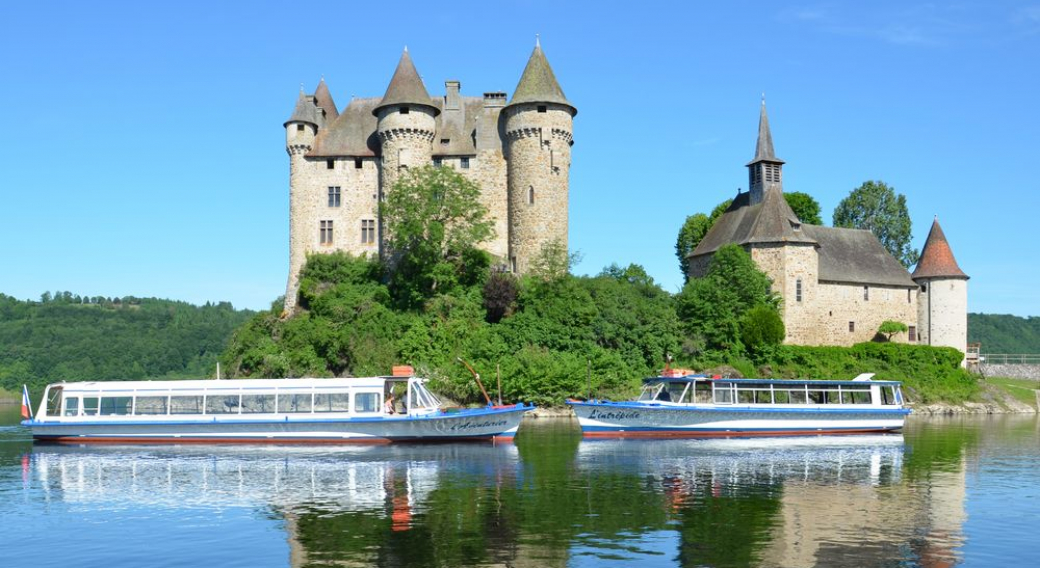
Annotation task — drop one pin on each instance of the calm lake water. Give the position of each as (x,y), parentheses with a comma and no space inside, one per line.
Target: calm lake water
(961,491)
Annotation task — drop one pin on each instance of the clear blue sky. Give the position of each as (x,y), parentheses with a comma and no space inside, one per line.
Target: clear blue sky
(144,155)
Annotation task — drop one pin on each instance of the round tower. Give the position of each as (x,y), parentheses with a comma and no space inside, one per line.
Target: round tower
(405,124)
(538,132)
(942,296)
(300,131)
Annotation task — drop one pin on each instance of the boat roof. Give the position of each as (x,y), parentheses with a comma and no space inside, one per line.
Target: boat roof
(230,384)
(692,378)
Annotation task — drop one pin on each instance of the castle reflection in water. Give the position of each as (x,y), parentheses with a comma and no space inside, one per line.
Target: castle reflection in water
(552,500)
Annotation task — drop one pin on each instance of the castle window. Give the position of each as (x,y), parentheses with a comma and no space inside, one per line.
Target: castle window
(464,163)
(852,326)
(368,231)
(798,290)
(326,232)
(530,195)
(358,164)
(334,195)
(911,333)
(908,295)
(542,108)
(866,293)
(445,141)
(404,110)
(924,288)
(330,164)
(300,128)
(438,162)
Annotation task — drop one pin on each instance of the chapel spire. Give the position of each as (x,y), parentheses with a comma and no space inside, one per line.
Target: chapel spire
(764,170)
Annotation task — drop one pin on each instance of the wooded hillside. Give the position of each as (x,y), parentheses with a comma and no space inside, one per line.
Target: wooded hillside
(1004,333)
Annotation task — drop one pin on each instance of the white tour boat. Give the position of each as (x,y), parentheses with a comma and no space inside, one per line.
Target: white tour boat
(351,410)
(686,405)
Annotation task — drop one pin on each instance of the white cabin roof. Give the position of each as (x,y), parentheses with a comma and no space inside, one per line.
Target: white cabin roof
(212,384)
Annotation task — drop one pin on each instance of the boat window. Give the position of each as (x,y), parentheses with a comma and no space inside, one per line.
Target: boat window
(763,396)
(852,395)
(332,402)
(221,404)
(54,397)
(899,395)
(816,396)
(186,404)
(90,405)
(72,406)
(702,392)
(650,391)
(781,397)
(887,395)
(366,402)
(797,396)
(833,397)
(115,405)
(422,398)
(151,405)
(745,395)
(254,403)
(676,391)
(294,402)
(723,393)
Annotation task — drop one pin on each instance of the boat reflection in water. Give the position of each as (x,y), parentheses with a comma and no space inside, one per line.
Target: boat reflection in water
(549,500)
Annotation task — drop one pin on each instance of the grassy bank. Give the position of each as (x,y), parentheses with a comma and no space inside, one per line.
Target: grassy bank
(1022,390)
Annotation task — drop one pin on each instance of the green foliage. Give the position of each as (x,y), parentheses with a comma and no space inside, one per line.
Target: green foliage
(889,328)
(930,374)
(500,293)
(435,220)
(72,338)
(1004,333)
(553,262)
(761,327)
(693,231)
(875,206)
(805,207)
(712,306)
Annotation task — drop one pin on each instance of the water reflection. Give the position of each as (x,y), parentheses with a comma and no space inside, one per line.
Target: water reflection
(550,500)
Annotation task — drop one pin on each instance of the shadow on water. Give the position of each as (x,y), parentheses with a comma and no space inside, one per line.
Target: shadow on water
(551,499)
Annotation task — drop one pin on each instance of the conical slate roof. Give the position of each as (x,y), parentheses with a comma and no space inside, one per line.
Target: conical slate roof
(305,111)
(538,83)
(764,146)
(324,98)
(937,258)
(406,88)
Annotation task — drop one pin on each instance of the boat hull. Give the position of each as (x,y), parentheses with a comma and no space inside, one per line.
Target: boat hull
(477,424)
(630,420)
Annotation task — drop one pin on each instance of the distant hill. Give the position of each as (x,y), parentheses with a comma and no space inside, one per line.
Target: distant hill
(68,337)
(1002,333)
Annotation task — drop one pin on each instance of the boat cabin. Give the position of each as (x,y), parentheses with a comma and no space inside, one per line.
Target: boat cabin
(245,398)
(703,390)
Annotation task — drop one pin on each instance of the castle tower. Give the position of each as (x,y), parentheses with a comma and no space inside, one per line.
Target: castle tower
(406,123)
(764,170)
(942,299)
(538,125)
(300,131)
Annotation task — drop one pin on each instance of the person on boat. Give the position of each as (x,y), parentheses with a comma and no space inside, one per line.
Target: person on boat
(388,406)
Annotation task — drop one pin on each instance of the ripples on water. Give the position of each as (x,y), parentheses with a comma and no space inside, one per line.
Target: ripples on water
(951,492)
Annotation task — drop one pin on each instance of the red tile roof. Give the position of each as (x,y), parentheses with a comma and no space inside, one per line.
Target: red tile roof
(937,259)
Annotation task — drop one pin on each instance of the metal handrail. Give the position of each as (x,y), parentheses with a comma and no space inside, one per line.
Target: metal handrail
(1009,359)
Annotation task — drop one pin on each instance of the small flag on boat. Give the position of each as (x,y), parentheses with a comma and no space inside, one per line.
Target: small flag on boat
(26,404)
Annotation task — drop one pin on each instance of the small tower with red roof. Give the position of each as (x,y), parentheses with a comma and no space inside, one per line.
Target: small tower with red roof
(942,299)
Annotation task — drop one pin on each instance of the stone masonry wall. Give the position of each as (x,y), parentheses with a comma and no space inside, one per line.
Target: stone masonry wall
(943,312)
(488,170)
(539,158)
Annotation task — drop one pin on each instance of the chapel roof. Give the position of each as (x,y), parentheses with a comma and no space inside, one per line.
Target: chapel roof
(406,87)
(764,144)
(538,83)
(937,257)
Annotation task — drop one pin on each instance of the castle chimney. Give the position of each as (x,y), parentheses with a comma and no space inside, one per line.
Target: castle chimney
(452,100)
(495,99)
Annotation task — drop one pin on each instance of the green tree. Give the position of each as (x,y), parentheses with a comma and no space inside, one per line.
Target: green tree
(761,327)
(889,328)
(692,232)
(876,206)
(712,306)
(435,223)
(805,207)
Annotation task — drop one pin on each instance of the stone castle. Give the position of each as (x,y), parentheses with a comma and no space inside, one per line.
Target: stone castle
(838,285)
(342,164)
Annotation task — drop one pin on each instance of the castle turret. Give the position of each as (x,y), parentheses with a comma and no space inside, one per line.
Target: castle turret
(942,299)
(764,170)
(538,129)
(406,123)
(300,131)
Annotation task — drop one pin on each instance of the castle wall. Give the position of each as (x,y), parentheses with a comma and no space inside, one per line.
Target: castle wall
(943,312)
(406,141)
(488,170)
(539,159)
